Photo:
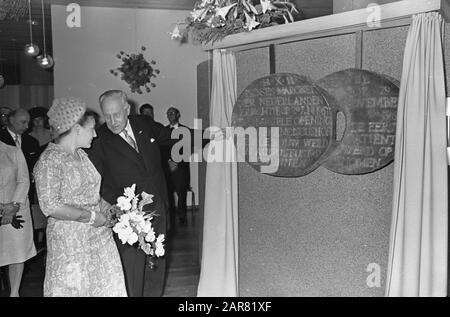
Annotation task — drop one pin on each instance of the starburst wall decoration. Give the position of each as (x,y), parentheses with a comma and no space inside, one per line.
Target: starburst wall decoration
(136,71)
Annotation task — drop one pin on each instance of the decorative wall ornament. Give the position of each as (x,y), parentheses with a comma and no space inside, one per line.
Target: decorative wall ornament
(136,71)
(212,20)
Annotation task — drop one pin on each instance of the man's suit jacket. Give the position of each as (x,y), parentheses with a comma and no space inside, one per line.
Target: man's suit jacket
(182,176)
(121,166)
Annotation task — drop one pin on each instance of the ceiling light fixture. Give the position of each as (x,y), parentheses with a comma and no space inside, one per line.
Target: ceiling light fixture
(31,49)
(45,60)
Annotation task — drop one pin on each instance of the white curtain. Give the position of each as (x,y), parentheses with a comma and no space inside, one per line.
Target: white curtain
(219,264)
(418,243)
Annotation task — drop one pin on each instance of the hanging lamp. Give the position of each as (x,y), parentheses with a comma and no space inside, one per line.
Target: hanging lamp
(44,60)
(31,49)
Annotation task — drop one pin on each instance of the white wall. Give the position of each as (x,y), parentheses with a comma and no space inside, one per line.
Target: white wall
(84,56)
(26,96)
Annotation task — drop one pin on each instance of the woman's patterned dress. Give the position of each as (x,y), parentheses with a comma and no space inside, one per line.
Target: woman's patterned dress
(81,260)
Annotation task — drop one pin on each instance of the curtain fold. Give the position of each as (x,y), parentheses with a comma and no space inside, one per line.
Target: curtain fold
(418,247)
(219,264)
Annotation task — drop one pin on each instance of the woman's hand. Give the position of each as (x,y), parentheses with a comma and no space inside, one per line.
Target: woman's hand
(100,220)
(17,222)
(6,219)
(104,206)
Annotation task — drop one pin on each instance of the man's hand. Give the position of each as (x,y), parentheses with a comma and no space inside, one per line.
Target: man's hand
(173,166)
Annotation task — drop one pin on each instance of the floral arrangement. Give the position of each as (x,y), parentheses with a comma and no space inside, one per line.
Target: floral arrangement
(134,225)
(212,20)
(136,71)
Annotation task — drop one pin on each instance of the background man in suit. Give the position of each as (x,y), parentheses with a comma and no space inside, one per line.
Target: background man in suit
(126,152)
(147,110)
(179,177)
(14,134)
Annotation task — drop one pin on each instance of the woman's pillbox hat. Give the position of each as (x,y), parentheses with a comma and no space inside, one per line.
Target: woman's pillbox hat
(65,112)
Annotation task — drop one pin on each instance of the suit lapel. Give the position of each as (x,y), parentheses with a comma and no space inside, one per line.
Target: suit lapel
(139,135)
(143,142)
(118,143)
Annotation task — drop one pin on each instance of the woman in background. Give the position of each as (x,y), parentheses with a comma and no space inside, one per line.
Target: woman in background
(39,129)
(16,244)
(82,257)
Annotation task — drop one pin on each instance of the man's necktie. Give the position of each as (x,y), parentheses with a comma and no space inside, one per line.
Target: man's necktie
(130,140)
(17,140)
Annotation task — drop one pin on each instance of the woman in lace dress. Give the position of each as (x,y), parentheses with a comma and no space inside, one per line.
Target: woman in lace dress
(82,257)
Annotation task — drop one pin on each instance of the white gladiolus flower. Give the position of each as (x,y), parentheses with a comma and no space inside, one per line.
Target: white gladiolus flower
(147,227)
(135,226)
(129,191)
(251,22)
(123,230)
(159,245)
(267,5)
(175,34)
(147,248)
(132,238)
(150,237)
(124,203)
(224,10)
(198,14)
(134,203)
(159,250)
(148,198)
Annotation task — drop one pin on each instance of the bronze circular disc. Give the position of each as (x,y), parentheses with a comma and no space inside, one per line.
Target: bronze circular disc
(302,114)
(369,102)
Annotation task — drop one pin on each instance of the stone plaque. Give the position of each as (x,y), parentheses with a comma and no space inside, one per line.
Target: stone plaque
(369,102)
(300,109)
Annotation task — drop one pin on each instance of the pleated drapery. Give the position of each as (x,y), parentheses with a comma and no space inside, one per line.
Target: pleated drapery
(219,264)
(418,241)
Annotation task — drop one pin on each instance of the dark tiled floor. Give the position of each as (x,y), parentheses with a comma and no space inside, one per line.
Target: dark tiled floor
(183,266)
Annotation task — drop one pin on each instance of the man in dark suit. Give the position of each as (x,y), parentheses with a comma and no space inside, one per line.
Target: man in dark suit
(14,134)
(179,174)
(4,113)
(126,152)
(147,110)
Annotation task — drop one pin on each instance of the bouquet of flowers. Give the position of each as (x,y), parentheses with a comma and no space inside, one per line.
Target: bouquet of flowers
(212,20)
(136,71)
(134,225)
